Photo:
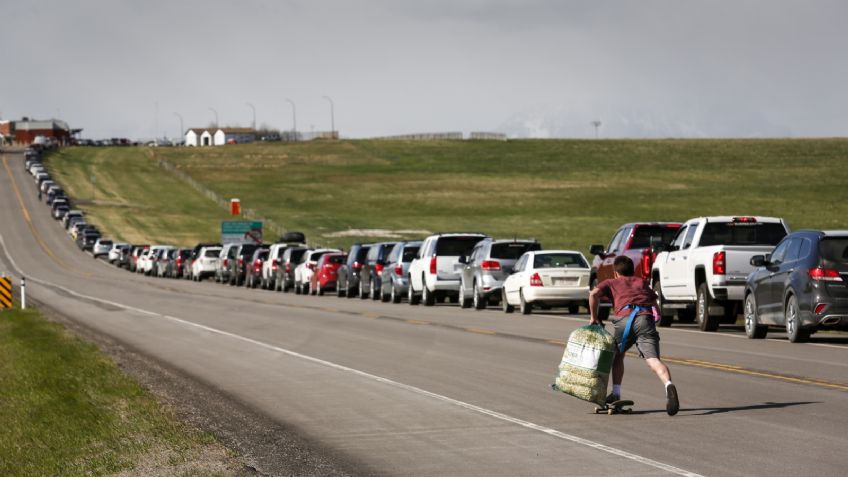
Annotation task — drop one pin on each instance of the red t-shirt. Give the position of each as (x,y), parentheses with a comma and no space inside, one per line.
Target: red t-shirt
(625,291)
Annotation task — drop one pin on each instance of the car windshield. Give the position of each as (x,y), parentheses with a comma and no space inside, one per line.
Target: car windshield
(559,260)
(296,255)
(834,253)
(456,246)
(106,242)
(645,233)
(409,253)
(513,250)
(212,252)
(263,255)
(743,233)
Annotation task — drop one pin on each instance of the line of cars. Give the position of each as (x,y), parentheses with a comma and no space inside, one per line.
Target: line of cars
(707,270)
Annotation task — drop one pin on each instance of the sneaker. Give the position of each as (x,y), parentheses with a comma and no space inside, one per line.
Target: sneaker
(613,398)
(672,404)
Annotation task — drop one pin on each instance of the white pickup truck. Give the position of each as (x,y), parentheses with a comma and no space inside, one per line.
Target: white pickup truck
(702,272)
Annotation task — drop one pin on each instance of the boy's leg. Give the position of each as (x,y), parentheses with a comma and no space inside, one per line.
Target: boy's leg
(658,367)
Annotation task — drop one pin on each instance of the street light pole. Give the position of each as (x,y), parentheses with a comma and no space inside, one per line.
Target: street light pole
(597,124)
(254,115)
(216,116)
(182,131)
(332,118)
(294,119)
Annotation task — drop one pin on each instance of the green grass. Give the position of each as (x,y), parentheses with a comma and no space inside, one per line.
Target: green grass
(566,193)
(67,410)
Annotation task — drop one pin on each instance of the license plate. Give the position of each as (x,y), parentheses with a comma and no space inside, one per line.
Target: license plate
(564,281)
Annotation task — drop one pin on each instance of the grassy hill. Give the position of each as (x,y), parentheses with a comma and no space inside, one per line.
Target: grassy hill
(566,193)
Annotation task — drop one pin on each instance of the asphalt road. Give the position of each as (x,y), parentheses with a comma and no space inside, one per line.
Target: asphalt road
(403,390)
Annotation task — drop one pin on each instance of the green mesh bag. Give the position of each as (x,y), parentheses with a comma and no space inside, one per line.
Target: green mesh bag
(586,363)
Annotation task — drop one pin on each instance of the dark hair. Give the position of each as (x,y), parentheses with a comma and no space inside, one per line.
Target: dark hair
(623,266)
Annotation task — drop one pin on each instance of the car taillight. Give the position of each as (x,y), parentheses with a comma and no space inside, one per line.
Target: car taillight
(357,266)
(433,264)
(820,308)
(719,265)
(226,262)
(379,267)
(824,274)
(241,261)
(310,266)
(399,270)
(288,267)
(274,265)
(745,220)
(647,261)
(536,280)
(490,265)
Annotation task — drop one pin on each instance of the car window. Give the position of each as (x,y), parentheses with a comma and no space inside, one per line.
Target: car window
(777,256)
(678,240)
(410,253)
(742,233)
(372,253)
(806,246)
(559,260)
(519,266)
(456,246)
(616,239)
(212,252)
(834,252)
(337,259)
(690,236)
(363,252)
(393,255)
(792,254)
(513,250)
(645,233)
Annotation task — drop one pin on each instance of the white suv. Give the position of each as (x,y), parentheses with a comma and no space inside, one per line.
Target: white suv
(269,266)
(434,273)
(205,263)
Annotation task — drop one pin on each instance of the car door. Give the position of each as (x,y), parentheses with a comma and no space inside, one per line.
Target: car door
(513,282)
(770,290)
(672,280)
(784,277)
(468,268)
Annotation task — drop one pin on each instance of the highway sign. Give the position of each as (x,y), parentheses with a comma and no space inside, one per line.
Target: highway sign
(241,231)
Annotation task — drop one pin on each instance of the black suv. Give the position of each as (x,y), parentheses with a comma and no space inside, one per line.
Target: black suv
(802,286)
(348,283)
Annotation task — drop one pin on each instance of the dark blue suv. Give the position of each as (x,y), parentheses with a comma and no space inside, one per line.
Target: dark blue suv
(802,286)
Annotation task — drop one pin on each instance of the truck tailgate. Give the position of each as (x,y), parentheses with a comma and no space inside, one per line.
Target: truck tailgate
(738,259)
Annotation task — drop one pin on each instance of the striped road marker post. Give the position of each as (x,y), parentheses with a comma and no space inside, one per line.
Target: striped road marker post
(5,292)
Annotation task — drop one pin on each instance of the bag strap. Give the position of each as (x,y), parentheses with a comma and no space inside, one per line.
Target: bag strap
(636,309)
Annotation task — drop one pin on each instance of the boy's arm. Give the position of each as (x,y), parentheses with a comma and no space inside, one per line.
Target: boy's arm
(594,301)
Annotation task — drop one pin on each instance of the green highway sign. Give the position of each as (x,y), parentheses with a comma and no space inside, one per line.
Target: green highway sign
(241,231)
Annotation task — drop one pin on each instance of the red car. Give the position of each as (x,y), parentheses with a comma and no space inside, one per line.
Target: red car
(326,276)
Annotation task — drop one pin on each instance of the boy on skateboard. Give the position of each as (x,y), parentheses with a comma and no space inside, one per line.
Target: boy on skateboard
(633,323)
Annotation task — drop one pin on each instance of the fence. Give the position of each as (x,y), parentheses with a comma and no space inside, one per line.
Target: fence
(449,136)
(492,136)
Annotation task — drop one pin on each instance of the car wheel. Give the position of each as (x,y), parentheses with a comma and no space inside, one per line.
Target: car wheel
(372,291)
(362,293)
(794,330)
(523,306)
(753,330)
(428,298)
(384,296)
(297,288)
(507,308)
(478,301)
(463,301)
(573,309)
(313,290)
(320,290)
(666,318)
(395,297)
(412,297)
(706,322)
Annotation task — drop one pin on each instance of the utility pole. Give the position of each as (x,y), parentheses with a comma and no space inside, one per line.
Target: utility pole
(182,131)
(216,116)
(254,115)
(332,118)
(294,119)
(597,125)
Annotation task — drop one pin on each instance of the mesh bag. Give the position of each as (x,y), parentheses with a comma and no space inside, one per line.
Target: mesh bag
(586,363)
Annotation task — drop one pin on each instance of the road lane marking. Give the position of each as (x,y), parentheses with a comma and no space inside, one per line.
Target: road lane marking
(28,220)
(417,322)
(481,331)
(396,384)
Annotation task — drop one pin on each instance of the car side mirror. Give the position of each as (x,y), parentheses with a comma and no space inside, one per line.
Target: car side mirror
(758,261)
(596,249)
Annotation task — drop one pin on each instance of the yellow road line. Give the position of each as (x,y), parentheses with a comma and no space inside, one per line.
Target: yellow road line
(761,374)
(557,342)
(371,315)
(417,322)
(32,228)
(481,331)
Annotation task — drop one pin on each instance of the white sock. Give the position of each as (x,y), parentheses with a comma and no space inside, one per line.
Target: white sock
(667,384)
(616,389)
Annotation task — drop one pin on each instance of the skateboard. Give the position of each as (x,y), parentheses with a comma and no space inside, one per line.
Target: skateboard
(615,407)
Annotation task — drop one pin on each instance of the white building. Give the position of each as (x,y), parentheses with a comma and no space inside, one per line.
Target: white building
(219,136)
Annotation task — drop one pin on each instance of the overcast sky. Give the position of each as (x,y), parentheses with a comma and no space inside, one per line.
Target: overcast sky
(539,68)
